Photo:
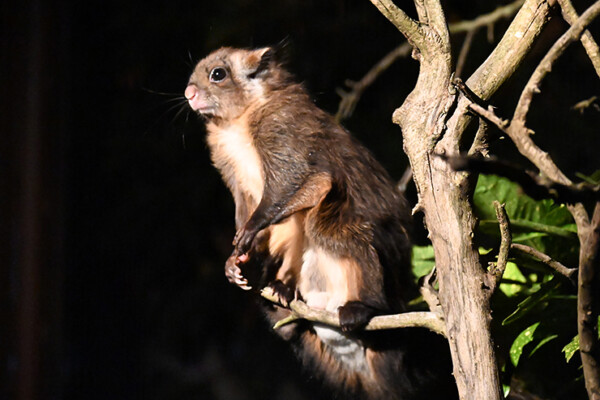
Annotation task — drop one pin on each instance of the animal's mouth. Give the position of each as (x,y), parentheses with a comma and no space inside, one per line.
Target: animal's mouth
(197,99)
(204,111)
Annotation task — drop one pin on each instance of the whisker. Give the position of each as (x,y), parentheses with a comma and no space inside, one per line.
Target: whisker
(160,93)
(187,117)
(180,98)
(182,109)
(182,105)
(192,63)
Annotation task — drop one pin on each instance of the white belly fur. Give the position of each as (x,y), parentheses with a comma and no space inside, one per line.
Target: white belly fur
(324,285)
(234,154)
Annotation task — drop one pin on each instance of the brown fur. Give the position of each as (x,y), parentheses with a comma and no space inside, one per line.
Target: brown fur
(319,214)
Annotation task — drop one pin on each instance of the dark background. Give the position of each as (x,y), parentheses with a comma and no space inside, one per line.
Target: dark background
(115,226)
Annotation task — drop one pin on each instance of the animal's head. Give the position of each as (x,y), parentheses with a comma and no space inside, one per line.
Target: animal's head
(228,80)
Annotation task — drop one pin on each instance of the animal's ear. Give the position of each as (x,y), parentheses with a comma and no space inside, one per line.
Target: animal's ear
(258,61)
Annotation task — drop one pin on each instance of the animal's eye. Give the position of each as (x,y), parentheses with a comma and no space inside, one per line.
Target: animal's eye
(218,74)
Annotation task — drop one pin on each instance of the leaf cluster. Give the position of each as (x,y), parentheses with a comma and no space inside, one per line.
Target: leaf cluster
(534,310)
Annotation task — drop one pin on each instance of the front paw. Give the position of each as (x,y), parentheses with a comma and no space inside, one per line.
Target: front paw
(355,315)
(234,273)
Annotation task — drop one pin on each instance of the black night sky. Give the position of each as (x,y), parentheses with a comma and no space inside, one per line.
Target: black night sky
(116,226)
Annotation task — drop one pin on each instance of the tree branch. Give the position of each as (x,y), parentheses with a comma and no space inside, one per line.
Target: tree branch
(520,137)
(480,145)
(514,45)
(350,98)
(582,105)
(491,18)
(589,234)
(570,273)
(301,310)
(588,307)
(430,294)
(405,24)
(432,121)
(464,50)
(404,180)
(589,44)
(496,271)
(499,66)
(436,20)
(535,185)
(545,66)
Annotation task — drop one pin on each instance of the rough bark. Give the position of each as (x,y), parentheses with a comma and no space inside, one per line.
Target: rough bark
(433,118)
(588,307)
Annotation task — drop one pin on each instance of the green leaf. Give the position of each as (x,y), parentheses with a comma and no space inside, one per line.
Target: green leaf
(593,179)
(571,348)
(423,260)
(517,204)
(542,342)
(524,237)
(512,273)
(524,338)
(505,390)
(543,224)
(536,299)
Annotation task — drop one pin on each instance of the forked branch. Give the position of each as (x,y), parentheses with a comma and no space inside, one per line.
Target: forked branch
(545,66)
(589,44)
(349,98)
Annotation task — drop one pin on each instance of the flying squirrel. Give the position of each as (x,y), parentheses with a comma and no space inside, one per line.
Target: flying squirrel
(317,218)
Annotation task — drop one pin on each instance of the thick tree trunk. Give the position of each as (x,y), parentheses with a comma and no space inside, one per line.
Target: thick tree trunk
(444,198)
(433,119)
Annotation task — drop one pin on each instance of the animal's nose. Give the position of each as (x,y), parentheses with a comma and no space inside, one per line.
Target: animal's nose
(190,92)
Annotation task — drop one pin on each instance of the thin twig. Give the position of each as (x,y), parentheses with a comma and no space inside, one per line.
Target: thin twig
(464,51)
(582,105)
(570,273)
(535,185)
(589,44)
(480,146)
(518,133)
(491,18)
(430,294)
(490,115)
(520,137)
(490,33)
(496,271)
(301,310)
(350,98)
(404,180)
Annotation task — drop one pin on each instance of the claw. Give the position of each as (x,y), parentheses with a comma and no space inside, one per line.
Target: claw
(243,284)
(234,273)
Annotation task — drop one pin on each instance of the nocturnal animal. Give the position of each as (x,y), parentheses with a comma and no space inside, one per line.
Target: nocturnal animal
(317,218)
